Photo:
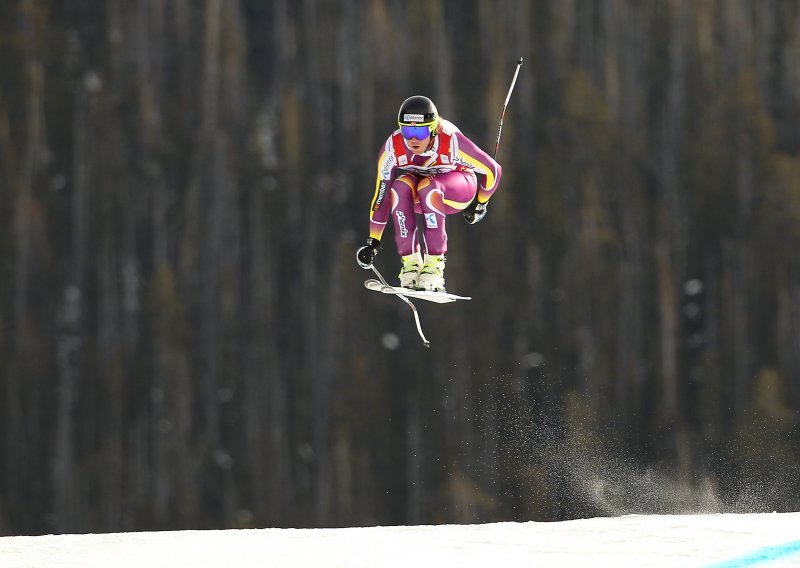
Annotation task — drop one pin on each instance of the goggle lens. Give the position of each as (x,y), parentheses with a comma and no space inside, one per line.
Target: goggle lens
(418,132)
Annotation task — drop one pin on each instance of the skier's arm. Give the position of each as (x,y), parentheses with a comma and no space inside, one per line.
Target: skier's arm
(488,170)
(381,205)
(379,209)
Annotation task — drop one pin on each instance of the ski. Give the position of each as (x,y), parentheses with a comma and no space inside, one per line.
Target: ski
(437,297)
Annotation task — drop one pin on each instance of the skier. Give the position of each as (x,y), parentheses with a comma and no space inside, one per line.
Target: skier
(426,166)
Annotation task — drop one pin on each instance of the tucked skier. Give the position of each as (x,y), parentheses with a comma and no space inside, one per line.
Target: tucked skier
(428,167)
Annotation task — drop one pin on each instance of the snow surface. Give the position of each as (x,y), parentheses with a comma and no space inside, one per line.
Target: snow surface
(720,540)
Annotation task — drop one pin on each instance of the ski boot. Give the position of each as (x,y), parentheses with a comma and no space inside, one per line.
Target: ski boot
(431,277)
(409,274)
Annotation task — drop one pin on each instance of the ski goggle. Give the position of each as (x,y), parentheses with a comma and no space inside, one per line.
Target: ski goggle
(418,132)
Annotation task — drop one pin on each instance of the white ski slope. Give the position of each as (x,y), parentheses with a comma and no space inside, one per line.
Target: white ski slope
(720,540)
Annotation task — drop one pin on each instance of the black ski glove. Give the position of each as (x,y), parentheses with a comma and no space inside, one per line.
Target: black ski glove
(366,254)
(475,212)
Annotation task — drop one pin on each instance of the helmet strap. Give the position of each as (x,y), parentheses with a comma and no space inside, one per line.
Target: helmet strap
(434,133)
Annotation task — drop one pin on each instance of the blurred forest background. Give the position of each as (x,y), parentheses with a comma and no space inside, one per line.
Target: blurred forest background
(184,334)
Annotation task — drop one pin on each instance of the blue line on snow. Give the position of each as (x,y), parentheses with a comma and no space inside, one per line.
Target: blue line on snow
(766,554)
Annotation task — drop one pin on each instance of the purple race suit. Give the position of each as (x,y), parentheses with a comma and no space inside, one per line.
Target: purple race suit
(442,181)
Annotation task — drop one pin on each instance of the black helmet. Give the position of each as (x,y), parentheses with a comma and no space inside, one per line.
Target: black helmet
(419,111)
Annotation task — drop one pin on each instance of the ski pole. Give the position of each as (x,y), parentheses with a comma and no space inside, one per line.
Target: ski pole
(407,301)
(508,97)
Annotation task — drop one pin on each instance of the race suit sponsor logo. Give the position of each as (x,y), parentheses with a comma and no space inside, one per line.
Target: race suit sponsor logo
(381,194)
(430,220)
(401,223)
(387,165)
(402,160)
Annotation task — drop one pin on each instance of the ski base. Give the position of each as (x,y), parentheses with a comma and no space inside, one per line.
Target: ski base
(437,297)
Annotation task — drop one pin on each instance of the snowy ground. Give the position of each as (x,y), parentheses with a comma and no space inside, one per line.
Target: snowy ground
(723,540)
